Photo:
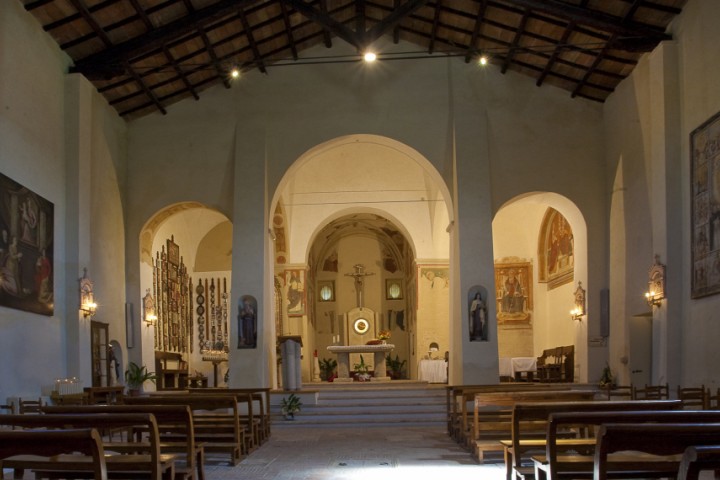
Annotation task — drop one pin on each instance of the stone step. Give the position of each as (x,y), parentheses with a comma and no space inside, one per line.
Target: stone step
(411,404)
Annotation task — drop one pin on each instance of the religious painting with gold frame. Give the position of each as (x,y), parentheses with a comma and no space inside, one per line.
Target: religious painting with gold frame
(705,204)
(514,298)
(555,250)
(295,282)
(326,290)
(26,249)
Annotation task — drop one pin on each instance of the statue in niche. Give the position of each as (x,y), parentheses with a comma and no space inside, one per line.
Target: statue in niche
(478,319)
(247,322)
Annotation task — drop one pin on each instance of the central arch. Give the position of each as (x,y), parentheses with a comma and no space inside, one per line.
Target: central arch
(387,189)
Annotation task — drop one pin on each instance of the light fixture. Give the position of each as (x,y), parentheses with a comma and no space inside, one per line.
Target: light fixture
(483,60)
(370,57)
(579,310)
(656,284)
(149,315)
(88,307)
(235,72)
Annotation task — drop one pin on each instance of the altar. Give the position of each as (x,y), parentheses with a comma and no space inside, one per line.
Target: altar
(343,353)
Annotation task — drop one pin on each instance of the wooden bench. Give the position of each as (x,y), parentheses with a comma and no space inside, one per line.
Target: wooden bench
(530,418)
(83,446)
(659,457)
(492,415)
(555,466)
(255,409)
(171,419)
(460,399)
(697,458)
(146,462)
(215,418)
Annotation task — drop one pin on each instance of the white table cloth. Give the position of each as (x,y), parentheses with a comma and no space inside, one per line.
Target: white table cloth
(432,371)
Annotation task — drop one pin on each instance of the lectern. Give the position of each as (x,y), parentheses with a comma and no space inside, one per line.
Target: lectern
(291,367)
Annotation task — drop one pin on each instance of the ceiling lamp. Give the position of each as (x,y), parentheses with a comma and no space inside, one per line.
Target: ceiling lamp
(370,57)
(235,73)
(483,60)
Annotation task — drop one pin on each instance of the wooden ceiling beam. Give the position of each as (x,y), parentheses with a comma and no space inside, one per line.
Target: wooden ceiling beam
(288,31)
(479,21)
(434,30)
(515,42)
(624,32)
(327,22)
(251,41)
(394,19)
(327,38)
(112,60)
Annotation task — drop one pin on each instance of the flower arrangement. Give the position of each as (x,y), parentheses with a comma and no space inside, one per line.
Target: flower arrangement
(290,406)
(384,335)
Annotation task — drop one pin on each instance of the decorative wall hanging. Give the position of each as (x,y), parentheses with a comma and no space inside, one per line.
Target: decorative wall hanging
(477,312)
(211,297)
(556,248)
(295,282)
(247,322)
(326,290)
(26,249)
(171,288)
(513,281)
(705,204)
(393,289)
(656,283)
(579,305)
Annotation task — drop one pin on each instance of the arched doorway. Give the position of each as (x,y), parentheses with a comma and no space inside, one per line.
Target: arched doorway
(541,239)
(378,201)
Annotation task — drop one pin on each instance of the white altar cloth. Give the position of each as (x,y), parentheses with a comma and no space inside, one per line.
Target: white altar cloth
(432,371)
(510,366)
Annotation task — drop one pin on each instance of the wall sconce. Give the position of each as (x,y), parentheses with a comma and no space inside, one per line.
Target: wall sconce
(579,310)
(656,284)
(88,307)
(149,310)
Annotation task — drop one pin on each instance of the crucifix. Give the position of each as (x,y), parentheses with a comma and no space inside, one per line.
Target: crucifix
(359,276)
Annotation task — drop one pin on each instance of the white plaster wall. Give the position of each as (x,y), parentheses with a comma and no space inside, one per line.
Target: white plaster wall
(34,133)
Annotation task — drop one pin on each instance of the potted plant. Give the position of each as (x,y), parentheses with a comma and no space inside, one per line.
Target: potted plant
(362,370)
(606,378)
(290,406)
(395,367)
(327,369)
(136,376)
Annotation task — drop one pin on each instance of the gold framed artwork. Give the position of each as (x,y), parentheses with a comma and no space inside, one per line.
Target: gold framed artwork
(514,297)
(556,248)
(326,290)
(295,282)
(705,204)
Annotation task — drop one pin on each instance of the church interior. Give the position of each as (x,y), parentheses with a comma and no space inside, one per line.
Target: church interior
(191,202)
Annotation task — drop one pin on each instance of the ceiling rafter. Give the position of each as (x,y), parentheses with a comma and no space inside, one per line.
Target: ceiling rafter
(288,31)
(516,41)
(251,41)
(471,50)
(436,22)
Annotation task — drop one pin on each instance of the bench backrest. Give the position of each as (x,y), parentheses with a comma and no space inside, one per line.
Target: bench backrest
(173,418)
(100,421)
(48,443)
(666,439)
(535,416)
(558,421)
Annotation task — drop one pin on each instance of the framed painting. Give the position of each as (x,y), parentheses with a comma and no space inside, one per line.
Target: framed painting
(26,249)
(555,250)
(295,282)
(393,289)
(513,283)
(705,205)
(173,250)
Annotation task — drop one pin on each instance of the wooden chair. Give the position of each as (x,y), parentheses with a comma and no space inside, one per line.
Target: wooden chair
(698,458)
(30,406)
(694,397)
(652,392)
(619,392)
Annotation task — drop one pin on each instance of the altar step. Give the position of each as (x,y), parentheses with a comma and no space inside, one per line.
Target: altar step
(410,404)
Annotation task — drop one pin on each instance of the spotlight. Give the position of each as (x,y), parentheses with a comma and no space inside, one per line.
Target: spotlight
(483,60)
(235,73)
(370,57)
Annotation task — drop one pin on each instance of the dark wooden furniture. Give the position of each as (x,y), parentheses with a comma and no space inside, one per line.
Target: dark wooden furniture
(557,364)
(171,371)
(652,392)
(697,458)
(99,344)
(146,461)
(558,464)
(622,392)
(694,397)
(171,419)
(492,417)
(104,395)
(83,447)
(529,428)
(215,418)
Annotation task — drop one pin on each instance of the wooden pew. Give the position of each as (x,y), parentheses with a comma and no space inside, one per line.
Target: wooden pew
(84,446)
(492,415)
(557,464)
(258,408)
(668,442)
(460,397)
(697,458)
(215,418)
(170,419)
(148,463)
(530,418)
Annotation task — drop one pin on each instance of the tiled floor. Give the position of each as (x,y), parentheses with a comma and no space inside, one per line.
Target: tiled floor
(376,453)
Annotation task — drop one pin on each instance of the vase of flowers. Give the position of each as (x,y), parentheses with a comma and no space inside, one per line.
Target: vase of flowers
(384,336)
